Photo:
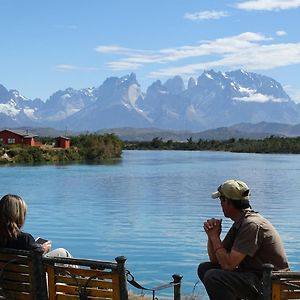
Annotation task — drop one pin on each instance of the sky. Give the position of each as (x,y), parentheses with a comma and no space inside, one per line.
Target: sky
(52,45)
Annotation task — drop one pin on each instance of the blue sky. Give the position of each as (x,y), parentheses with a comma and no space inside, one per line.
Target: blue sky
(51,45)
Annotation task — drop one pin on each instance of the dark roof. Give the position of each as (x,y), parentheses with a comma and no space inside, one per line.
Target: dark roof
(23,133)
(63,137)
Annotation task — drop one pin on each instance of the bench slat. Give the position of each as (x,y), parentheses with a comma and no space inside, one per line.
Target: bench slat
(98,283)
(73,290)
(16,286)
(82,281)
(283,285)
(15,267)
(68,297)
(16,296)
(83,272)
(21,277)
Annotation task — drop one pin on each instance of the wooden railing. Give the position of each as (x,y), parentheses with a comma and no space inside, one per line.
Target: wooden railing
(28,275)
(280,285)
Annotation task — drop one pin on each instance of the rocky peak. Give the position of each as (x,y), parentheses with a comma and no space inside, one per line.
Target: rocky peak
(4,94)
(175,85)
(191,83)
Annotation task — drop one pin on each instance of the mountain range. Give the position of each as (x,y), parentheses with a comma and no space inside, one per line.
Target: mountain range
(213,100)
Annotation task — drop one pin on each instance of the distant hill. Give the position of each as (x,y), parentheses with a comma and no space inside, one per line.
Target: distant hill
(243,130)
(237,131)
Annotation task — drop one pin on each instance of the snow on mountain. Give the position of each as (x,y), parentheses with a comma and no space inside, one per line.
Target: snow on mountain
(9,108)
(212,100)
(63,104)
(115,104)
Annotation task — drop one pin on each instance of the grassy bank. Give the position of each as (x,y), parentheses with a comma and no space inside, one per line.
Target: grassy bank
(90,148)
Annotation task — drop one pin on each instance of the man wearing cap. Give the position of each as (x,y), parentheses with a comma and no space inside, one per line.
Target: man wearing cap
(236,263)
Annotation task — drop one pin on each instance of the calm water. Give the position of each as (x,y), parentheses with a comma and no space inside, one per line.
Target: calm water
(151,205)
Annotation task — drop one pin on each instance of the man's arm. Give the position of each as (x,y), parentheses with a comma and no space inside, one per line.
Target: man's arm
(211,252)
(229,261)
(209,224)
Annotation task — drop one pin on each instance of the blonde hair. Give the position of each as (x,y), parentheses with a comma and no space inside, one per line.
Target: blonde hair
(12,217)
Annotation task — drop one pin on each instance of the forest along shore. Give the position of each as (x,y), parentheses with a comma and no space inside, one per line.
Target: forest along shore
(271,144)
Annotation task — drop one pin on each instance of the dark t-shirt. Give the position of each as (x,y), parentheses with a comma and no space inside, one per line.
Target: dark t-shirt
(24,241)
(256,237)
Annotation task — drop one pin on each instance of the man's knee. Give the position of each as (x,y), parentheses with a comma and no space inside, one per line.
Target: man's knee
(211,277)
(204,267)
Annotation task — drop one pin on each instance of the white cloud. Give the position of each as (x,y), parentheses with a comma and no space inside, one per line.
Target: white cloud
(206,15)
(68,68)
(114,49)
(257,97)
(255,57)
(281,33)
(138,58)
(122,65)
(248,50)
(269,5)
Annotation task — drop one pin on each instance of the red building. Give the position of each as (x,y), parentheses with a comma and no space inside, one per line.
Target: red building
(63,142)
(11,137)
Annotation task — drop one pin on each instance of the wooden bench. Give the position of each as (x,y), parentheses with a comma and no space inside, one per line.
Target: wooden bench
(27,275)
(280,285)
(72,278)
(22,276)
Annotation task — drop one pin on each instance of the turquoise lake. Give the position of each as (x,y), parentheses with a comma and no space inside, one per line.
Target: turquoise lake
(150,206)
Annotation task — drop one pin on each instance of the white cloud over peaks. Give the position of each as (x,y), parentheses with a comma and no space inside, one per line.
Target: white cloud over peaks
(68,68)
(206,15)
(269,5)
(248,50)
(137,58)
(281,33)
(257,97)
(255,57)
(123,65)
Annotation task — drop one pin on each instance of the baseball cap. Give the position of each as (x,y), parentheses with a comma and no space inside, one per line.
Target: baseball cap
(233,189)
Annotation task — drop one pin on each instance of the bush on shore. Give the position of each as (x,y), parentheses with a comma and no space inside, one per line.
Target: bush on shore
(84,148)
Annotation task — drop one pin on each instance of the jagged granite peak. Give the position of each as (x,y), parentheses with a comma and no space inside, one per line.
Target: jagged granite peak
(175,85)
(156,88)
(14,94)
(154,96)
(256,87)
(211,80)
(191,83)
(4,94)
(217,99)
(115,90)
(65,103)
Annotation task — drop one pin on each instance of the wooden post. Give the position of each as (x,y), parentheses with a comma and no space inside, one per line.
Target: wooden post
(39,277)
(267,281)
(122,277)
(177,286)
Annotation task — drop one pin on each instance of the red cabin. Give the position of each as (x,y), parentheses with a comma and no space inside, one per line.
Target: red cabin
(63,142)
(14,137)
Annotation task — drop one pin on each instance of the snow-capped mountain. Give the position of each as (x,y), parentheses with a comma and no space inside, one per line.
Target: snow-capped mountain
(115,105)
(63,104)
(212,100)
